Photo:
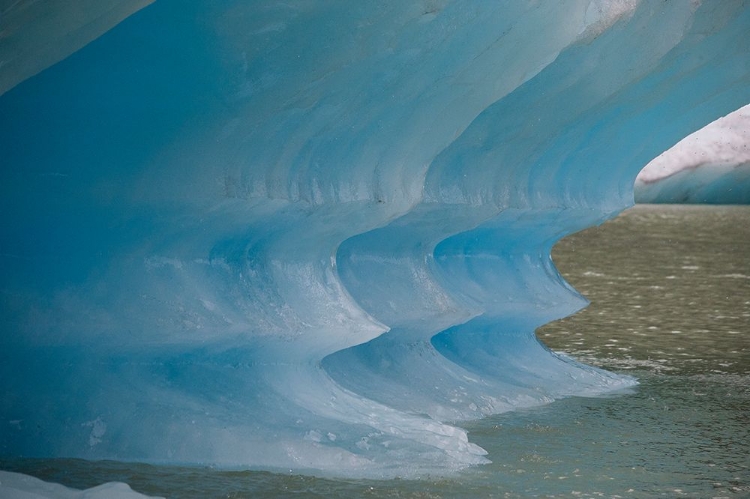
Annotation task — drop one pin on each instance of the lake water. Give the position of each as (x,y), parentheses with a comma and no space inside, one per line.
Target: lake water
(670,291)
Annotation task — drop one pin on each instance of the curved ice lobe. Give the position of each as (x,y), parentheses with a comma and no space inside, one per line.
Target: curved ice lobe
(306,235)
(208,173)
(434,287)
(574,135)
(313,112)
(556,155)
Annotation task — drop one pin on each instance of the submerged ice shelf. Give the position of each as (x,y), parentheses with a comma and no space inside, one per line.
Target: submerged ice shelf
(316,235)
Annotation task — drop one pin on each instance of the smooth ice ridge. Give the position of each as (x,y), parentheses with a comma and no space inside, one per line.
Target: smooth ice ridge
(316,235)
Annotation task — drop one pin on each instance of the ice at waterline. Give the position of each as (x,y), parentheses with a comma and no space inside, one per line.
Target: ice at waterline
(711,165)
(316,236)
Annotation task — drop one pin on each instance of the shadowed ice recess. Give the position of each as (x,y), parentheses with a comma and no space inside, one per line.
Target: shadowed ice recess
(316,235)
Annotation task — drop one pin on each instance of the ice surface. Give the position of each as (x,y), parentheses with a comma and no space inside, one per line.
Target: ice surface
(711,165)
(315,235)
(36,35)
(18,486)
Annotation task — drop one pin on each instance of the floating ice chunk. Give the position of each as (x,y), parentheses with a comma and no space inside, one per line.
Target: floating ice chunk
(19,486)
(711,165)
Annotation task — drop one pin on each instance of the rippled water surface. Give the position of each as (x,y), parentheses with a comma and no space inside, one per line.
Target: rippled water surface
(670,287)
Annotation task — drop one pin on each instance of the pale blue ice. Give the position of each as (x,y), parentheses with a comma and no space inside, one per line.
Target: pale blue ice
(316,235)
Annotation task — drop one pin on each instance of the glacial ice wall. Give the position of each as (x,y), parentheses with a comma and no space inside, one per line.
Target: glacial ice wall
(315,235)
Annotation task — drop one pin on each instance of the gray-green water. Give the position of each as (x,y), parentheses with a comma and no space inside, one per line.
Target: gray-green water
(670,287)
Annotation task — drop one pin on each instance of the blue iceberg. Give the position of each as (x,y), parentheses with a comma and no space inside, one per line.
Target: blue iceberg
(316,235)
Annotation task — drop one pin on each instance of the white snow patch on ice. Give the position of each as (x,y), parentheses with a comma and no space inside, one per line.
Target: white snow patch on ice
(19,486)
(726,141)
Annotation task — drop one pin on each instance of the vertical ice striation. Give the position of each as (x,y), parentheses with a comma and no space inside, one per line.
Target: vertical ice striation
(314,235)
